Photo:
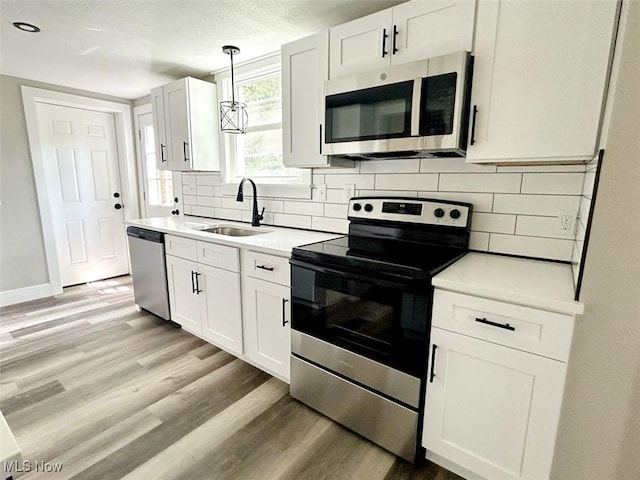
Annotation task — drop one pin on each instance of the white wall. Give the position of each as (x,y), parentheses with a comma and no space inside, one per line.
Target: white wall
(22,258)
(599,435)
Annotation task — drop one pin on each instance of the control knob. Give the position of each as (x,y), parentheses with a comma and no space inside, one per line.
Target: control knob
(368,207)
(455,213)
(357,207)
(438,212)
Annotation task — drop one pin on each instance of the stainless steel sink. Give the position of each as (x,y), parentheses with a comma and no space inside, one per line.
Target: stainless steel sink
(233,231)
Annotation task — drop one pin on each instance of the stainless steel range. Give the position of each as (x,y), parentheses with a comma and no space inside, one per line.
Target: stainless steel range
(361,315)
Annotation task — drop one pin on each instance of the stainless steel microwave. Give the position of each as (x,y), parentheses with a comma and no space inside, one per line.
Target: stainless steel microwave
(418,109)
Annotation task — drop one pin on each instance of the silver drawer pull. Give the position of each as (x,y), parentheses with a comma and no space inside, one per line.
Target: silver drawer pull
(506,326)
(262,267)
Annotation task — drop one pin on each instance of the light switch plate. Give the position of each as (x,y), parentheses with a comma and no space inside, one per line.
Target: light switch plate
(348,192)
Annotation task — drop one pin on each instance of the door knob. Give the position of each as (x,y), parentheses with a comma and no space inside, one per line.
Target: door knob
(175,212)
(117,206)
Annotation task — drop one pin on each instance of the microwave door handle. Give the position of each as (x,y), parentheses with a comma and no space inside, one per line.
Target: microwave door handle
(415,107)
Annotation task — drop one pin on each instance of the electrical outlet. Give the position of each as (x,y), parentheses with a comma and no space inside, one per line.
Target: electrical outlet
(348,192)
(321,192)
(566,223)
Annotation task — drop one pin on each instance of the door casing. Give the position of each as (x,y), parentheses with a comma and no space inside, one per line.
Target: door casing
(125,145)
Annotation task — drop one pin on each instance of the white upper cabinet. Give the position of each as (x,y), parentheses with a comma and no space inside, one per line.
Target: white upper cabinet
(411,31)
(186,119)
(539,80)
(305,65)
(157,109)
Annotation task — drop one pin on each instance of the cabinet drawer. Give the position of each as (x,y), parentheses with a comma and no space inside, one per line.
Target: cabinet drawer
(536,331)
(220,256)
(267,267)
(180,247)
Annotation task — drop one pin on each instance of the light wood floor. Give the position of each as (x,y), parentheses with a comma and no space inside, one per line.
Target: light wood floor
(108,392)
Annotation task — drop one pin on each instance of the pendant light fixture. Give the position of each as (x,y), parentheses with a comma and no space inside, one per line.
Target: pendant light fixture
(233,115)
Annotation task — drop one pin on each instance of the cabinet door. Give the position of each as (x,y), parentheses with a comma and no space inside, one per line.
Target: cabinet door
(157,109)
(433,28)
(492,409)
(221,308)
(360,45)
(305,65)
(183,297)
(176,111)
(267,328)
(539,79)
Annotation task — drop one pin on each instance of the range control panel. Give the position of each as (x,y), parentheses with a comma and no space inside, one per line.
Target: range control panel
(411,210)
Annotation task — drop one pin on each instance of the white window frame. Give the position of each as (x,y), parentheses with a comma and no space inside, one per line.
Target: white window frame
(287,187)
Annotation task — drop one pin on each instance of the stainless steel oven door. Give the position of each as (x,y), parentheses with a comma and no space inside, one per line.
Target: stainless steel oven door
(381,318)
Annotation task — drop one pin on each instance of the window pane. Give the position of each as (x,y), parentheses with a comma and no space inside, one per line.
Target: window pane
(261,154)
(263,100)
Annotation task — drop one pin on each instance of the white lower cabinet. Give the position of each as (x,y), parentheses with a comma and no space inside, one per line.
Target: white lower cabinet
(267,328)
(221,308)
(492,409)
(185,305)
(205,299)
(266,312)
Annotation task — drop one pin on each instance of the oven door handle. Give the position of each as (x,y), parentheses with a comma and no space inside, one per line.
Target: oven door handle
(402,280)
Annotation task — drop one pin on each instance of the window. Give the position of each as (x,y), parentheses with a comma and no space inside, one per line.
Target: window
(258,153)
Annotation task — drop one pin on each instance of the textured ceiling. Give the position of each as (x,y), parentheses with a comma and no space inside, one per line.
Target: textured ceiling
(126,47)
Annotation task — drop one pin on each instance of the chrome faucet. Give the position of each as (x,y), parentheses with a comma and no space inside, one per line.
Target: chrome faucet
(255,216)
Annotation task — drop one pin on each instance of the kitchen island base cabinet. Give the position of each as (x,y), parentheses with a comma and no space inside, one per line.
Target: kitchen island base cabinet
(492,409)
(267,327)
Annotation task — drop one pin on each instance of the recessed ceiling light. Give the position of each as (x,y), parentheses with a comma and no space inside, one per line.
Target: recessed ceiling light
(26,27)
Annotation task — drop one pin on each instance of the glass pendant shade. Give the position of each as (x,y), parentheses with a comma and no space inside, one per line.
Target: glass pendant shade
(233,115)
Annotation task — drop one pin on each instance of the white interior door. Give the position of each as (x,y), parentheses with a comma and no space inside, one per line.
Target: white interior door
(80,155)
(156,185)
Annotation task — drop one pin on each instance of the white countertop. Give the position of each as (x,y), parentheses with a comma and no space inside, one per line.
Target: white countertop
(275,240)
(533,283)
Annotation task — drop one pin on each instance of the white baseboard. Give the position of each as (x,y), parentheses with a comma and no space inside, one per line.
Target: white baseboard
(19,295)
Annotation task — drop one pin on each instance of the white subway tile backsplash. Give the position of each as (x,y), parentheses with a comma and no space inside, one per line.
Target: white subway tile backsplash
(228,214)
(515,208)
(479,241)
(335,195)
(542,227)
(546,205)
(480,182)
(189,199)
(203,211)
(453,165)
(209,201)
(493,223)
(553,183)
(407,181)
(482,202)
(551,248)
(540,168)
(208,179)
(340,180)
(189,189)
(335,210)
(387,193)
(304,208)
(391,166)
(330,224)
(205,190)
(295,221)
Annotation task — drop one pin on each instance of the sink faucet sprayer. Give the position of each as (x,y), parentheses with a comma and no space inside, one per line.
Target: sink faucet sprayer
(255,216)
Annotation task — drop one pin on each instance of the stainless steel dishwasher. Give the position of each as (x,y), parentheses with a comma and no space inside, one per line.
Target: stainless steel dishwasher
(149,271)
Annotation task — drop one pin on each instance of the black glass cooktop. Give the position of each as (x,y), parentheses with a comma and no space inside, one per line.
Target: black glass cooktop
(417,261)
